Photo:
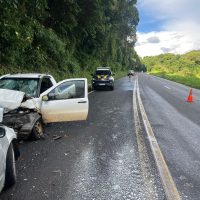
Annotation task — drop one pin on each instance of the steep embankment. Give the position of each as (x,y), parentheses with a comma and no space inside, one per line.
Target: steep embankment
(67,38)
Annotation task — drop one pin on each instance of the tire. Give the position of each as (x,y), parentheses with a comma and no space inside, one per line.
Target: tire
(10,178)
(16,149)
(37,131)
(112,87)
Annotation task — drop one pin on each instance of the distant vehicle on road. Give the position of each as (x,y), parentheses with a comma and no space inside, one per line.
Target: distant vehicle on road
(8,154)
(31,100)
(103,77)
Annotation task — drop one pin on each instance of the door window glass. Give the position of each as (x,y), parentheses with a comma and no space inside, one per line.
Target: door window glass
(46,84)
(68,90)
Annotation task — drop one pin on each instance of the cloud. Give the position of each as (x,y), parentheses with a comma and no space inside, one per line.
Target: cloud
(169,42)
(179,26)
(153,39)
(166,50)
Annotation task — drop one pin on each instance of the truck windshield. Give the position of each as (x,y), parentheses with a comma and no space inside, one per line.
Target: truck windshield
(27,85)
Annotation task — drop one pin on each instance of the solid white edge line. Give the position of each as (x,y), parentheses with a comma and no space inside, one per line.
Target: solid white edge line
(167,87)
(91,92)
(142,151)
(165,175)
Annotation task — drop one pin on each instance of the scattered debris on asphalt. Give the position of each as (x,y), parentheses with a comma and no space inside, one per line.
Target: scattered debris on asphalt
(66,136)
(56,137)
(57,171)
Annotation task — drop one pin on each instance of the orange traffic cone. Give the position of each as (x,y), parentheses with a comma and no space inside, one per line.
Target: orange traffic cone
(190,97)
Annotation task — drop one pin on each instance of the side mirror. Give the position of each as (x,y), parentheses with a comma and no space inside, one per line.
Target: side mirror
(2,132)
(45,98)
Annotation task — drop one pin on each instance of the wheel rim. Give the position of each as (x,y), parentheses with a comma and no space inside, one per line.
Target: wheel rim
(39,128)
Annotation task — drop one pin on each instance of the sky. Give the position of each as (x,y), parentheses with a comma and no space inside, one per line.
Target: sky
(171,26)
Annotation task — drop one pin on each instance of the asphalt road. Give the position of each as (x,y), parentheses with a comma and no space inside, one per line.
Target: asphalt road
(97,158)
(176,124)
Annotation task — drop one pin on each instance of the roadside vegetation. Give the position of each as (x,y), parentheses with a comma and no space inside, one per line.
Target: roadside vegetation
(184,69)
(67,38)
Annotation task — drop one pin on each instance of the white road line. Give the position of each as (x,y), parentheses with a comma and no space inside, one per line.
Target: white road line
(167,87)
(91,92)
(167,180)
(148,180)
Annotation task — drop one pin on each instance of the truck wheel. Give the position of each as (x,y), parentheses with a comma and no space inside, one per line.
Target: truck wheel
(11,176)
(37,131)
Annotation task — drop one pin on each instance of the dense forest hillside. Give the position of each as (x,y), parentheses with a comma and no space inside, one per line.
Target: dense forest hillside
(67,37)
(181,68)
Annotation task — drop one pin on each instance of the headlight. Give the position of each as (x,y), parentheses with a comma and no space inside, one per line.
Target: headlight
(110,78)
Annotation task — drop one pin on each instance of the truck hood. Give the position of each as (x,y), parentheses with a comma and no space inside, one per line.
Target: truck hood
(10,99)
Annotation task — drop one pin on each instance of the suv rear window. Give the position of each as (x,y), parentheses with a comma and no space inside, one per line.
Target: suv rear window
(103,72)
(27,85)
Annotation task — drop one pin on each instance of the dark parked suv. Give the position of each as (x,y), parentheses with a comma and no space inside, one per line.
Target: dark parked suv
(103,77)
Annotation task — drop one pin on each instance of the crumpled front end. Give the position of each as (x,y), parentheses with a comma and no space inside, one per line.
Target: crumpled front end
(20,113)
(22,121)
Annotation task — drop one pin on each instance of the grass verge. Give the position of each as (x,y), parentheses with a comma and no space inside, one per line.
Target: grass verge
(191,80)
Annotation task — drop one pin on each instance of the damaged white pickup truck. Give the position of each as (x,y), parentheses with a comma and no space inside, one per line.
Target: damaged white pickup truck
(32,100)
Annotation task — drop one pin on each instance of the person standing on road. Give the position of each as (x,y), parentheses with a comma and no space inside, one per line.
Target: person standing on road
(129,76)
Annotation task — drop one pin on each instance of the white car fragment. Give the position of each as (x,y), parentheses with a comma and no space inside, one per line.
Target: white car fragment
(8,155)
